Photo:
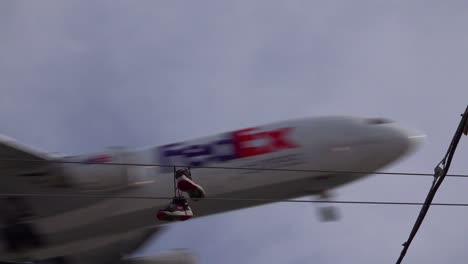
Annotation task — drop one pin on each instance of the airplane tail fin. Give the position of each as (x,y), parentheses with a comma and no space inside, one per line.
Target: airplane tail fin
(24,160)
(12,149)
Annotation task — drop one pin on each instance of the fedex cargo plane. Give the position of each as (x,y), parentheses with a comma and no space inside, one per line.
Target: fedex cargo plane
(68,208)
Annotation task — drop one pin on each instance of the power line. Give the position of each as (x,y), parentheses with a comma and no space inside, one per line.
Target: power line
(233,168)
(235,199)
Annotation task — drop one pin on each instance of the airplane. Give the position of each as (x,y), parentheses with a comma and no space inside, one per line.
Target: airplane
(70,208)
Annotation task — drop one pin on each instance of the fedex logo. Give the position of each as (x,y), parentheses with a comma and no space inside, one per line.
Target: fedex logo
(238,144)
(99,159)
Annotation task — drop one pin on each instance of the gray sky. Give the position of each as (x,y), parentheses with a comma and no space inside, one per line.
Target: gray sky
(78,76)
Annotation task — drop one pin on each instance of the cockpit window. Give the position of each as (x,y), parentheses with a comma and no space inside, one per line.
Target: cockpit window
(378,121)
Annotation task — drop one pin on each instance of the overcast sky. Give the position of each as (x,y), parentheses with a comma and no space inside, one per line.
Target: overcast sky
(78,76)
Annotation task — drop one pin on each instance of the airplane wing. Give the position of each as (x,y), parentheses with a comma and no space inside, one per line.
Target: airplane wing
(105,250)
(50,229)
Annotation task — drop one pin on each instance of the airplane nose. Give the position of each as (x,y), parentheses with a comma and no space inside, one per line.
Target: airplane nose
(390,141)
(408,139)
(415,138)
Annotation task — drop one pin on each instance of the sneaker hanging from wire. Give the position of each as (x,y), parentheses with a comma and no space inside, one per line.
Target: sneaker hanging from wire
(185,183)
(177,210)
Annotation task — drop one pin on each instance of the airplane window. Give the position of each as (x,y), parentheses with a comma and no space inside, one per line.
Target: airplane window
(378,121)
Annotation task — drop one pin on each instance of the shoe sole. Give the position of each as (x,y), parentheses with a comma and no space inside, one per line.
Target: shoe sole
(165,216)
(195,191)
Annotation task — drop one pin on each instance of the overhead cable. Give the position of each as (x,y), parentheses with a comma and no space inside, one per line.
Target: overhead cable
(234,168)
(232,199)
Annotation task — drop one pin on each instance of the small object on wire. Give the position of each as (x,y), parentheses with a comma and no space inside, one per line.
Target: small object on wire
(178,209)
(438,171)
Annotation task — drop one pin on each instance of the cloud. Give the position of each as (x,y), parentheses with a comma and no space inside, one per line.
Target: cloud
(78,76)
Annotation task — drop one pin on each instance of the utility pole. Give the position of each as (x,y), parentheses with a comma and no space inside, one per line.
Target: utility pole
(439,174)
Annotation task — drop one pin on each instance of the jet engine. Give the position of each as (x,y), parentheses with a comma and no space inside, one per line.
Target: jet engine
(95,172)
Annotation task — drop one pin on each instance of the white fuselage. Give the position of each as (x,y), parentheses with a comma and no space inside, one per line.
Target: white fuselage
(320,147)
(219,163)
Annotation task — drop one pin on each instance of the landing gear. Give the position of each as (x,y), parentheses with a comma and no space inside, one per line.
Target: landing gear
(328,213)
(178,209)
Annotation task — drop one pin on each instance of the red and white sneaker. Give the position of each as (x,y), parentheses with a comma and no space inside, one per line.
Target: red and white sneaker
(177,210)
(185,184)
